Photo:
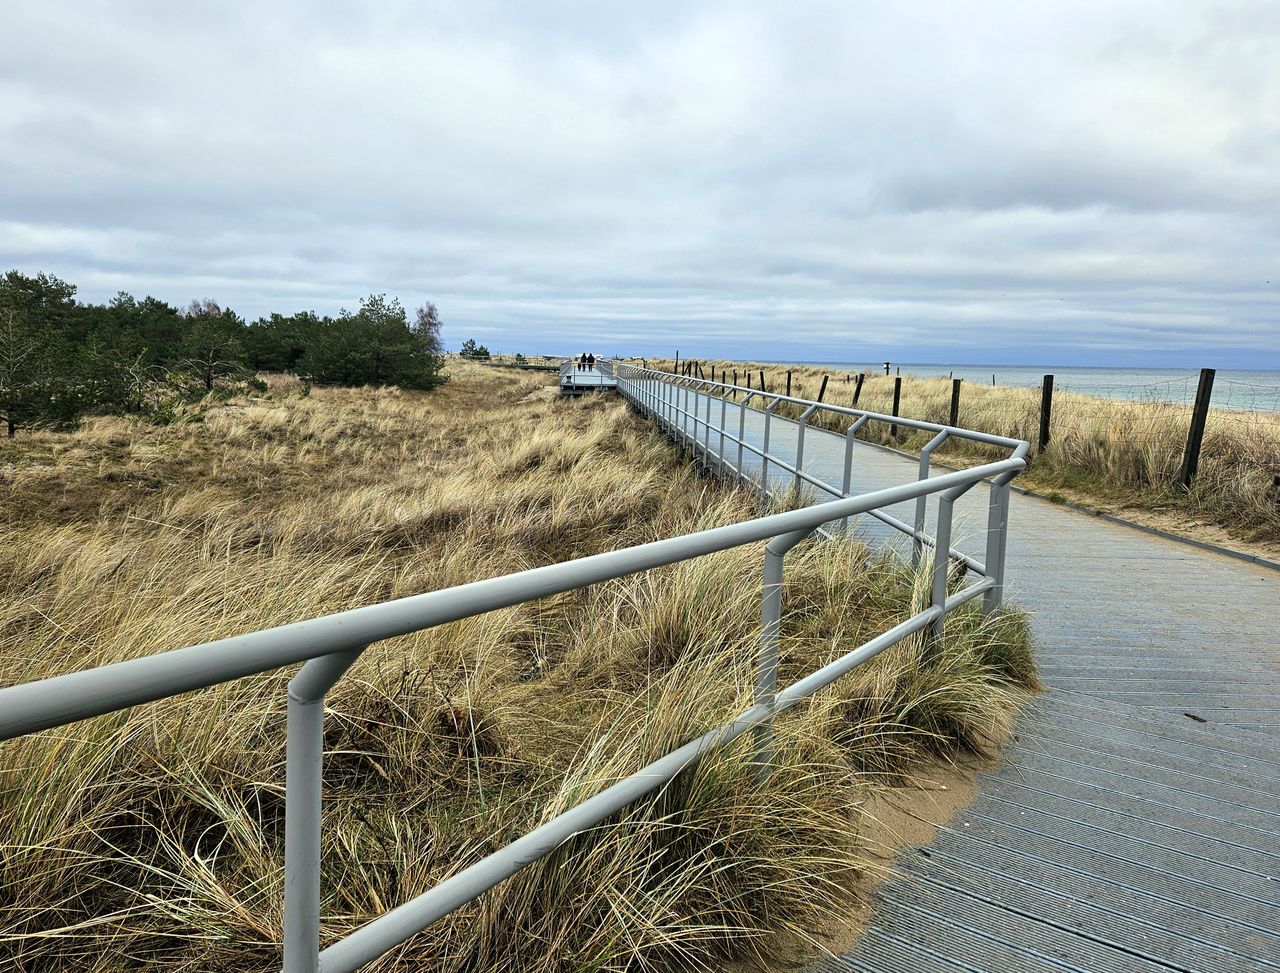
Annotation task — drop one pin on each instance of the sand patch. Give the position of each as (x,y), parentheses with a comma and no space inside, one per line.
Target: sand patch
(893,821)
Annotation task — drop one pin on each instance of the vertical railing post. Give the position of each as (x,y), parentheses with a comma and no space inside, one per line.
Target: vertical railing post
(698,394)
(724,409)
(742,435)
(770,629)
(695,419)
(941,570)
(691,419)
(706,432)
(764,450)
(917,545)
(804,423)
(849,438)
(767,660)
(997,534)
(303,788)
(684,417)
(673,398)
(693,422)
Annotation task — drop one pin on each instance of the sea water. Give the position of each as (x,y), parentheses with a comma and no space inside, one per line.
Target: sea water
(1232,388)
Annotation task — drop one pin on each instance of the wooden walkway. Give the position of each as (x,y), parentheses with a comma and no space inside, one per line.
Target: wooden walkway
(1135,823)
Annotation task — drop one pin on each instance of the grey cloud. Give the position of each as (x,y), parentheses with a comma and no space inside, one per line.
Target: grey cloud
(806,181)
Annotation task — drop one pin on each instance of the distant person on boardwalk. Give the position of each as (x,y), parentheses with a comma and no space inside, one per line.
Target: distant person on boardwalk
(582,362)
(591,362)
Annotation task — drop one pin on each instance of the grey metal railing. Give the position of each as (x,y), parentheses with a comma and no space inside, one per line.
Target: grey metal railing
(694,412)
(329,646)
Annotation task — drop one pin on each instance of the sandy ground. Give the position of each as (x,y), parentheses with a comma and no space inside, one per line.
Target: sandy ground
(906,817)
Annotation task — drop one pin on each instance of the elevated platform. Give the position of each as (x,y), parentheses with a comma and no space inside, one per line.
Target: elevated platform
(578,380)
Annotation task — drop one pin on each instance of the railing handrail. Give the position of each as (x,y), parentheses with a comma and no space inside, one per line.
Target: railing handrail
(58,700)
(329,645)
(670,409)
(959,432)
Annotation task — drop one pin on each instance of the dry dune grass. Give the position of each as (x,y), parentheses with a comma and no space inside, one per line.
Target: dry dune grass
(1125,452)
(152,839)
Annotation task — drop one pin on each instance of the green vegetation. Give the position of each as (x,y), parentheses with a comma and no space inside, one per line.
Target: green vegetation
(60,359)
(474,351)
(151,840)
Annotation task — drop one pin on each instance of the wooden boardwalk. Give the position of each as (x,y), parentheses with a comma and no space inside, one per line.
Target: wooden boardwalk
(1135,823)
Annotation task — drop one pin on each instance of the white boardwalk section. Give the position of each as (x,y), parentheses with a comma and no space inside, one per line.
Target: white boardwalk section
(576,379)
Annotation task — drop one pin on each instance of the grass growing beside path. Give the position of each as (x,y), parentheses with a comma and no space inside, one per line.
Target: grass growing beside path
(1123,453)
(152,839)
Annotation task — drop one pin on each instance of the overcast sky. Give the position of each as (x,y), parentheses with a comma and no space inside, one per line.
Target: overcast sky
(1059,183)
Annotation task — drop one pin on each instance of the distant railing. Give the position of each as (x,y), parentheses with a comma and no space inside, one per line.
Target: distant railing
(329,646)
(684,405)
(600,374)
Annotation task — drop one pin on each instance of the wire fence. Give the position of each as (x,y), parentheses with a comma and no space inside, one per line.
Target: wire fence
(1172,444)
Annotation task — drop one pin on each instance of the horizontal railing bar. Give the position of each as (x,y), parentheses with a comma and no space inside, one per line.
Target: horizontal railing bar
(392,928)
(973,563)
(1019,452)
(982,437)
(64,699)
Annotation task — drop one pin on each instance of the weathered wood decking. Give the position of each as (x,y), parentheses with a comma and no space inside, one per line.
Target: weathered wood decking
(1121,832)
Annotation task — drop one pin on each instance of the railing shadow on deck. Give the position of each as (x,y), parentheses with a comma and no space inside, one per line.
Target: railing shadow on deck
(330,645)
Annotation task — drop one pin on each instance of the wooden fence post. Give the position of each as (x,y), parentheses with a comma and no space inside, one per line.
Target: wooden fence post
(955,402)
(823,391)
(675,369)
(857,389)
(897,398)
(1195,435)
(1046,407)
(788,384)
(762,380)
